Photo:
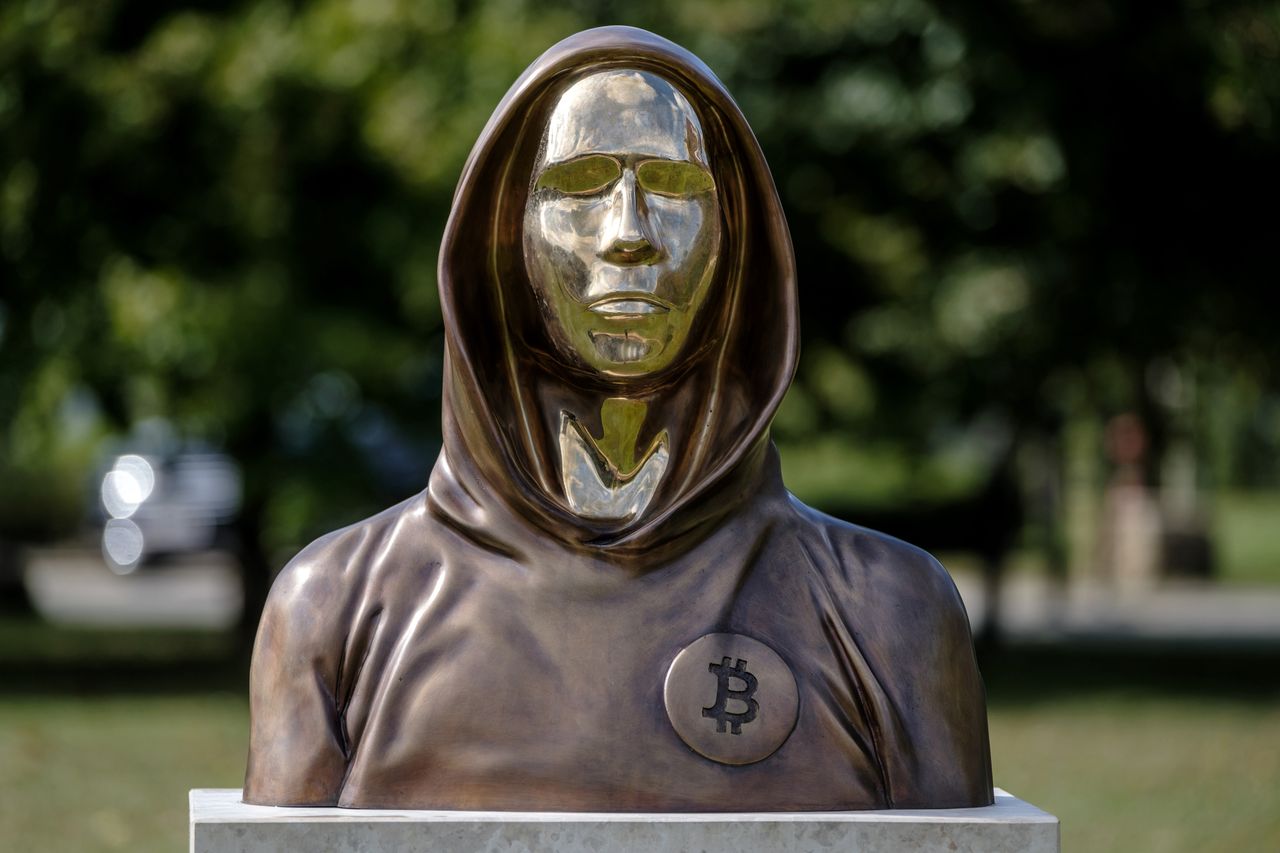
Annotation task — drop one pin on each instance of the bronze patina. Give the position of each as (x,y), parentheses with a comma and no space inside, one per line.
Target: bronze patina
(606,600)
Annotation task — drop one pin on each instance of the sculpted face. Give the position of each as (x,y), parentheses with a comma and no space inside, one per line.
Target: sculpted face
(622,228)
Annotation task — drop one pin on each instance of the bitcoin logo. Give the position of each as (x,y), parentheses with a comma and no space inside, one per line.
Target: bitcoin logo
(731,698)
(725,694)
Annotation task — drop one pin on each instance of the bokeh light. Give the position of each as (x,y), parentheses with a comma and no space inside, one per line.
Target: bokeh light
(127,485)
(122,545)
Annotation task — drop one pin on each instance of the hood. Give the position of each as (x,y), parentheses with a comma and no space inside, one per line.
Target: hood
(497,479)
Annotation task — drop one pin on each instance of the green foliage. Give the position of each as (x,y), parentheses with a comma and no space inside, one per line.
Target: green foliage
(227,215)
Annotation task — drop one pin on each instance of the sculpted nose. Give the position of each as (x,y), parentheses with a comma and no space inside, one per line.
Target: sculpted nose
(627,236)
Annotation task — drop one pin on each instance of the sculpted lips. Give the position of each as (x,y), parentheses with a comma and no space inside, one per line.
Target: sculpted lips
(625,347)
(628,304)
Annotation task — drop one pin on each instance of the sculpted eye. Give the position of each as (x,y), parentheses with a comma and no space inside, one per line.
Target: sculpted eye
(582,176)
(668,177)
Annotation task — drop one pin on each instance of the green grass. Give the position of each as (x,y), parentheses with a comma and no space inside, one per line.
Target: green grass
(1246,528)
(112,772)
(1147,775)
(1124,774)
(30,641)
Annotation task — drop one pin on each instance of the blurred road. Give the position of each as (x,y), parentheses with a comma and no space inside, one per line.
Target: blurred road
(74,586)
(1034,609)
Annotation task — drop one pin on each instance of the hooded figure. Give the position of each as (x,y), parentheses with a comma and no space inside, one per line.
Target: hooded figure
(606,600)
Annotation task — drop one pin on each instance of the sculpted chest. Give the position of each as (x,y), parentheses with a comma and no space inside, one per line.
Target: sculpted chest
(564,699)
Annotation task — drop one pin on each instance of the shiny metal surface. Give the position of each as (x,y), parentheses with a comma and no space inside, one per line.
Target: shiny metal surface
(504,640)
(622,227)
(607,478)
(731,698)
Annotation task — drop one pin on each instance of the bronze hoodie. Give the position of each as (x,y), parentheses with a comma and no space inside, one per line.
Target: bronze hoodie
(479,646)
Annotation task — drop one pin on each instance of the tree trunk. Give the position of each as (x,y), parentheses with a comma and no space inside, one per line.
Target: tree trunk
(14,598)
(255,573)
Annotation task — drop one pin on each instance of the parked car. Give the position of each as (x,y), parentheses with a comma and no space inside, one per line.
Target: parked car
(156,505)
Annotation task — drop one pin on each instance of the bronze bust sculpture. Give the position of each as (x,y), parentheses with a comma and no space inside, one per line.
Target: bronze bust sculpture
(606,600)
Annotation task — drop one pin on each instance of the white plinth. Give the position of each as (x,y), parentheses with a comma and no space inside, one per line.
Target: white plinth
(220,823)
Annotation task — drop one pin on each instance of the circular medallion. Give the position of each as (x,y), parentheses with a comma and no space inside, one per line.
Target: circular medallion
(731,698)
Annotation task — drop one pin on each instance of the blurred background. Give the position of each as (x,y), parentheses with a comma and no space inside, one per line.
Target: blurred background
(1037,252)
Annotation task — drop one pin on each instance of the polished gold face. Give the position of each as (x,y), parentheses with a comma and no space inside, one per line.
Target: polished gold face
(622,229)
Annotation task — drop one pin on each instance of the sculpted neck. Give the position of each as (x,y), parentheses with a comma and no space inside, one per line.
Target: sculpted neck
(609,477)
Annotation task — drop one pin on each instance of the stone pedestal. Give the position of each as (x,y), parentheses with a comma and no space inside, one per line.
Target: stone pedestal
(220,823)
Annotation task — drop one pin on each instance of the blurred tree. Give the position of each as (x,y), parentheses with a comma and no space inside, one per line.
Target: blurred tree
(227,215)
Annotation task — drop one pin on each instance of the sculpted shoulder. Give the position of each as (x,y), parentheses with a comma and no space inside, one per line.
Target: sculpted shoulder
(309,628)
(876,568)
(320,582)
(906,618)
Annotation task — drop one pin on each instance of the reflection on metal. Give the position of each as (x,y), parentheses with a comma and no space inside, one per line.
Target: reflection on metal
(603,479)
(731,698)
(623,223)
